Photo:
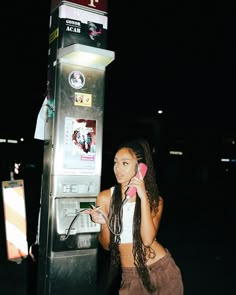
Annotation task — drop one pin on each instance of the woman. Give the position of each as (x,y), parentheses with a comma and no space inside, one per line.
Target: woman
(129,226)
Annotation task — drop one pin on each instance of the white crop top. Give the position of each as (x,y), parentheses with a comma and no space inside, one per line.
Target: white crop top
(126,235)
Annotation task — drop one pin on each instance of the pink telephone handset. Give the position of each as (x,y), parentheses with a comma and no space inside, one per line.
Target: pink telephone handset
(132,190)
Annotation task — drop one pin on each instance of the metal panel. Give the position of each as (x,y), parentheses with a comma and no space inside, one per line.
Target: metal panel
(73,273)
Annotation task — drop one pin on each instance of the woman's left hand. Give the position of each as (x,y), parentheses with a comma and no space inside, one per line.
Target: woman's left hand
(139,184)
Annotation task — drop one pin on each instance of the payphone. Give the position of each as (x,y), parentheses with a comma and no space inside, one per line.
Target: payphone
(68,242)
(71,177)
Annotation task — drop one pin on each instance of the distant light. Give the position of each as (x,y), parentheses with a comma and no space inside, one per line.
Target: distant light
(160,111)
(22,139)
(179,153)
(225,160)
(16,168)
(12,141)
(3,140)
(233,141)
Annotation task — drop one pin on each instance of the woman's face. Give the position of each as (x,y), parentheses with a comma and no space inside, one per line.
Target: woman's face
(125,163)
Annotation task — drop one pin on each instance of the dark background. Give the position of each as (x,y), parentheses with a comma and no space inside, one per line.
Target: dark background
(174,55)
(178,56)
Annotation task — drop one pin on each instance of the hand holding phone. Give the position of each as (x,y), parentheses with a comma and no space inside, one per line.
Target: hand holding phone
(142,168)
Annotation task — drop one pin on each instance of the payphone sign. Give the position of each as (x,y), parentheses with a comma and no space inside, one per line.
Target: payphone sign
(79,26)
(93,4)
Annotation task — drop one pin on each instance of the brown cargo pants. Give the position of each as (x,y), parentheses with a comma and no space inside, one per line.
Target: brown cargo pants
(164,274)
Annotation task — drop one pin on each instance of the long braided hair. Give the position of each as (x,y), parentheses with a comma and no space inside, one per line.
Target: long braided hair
(141,149)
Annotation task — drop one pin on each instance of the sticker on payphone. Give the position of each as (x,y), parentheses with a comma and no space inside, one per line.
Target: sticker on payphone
(83,99)
(76,79)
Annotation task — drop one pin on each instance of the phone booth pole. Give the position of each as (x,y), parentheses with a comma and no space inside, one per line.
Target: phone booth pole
(78,59)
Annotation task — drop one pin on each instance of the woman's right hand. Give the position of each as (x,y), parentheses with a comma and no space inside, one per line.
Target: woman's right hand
(97,215)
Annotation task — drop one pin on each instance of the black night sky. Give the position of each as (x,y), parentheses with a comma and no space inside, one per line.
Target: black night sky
(176,56)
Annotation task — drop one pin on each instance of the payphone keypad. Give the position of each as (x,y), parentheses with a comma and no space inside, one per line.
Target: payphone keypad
(70,210)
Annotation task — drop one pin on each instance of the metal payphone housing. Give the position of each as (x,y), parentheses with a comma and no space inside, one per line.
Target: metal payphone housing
(72,172)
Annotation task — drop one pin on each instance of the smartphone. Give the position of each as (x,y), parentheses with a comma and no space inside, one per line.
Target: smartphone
(132,190)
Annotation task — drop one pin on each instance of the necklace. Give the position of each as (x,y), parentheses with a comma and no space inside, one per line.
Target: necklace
(129,206)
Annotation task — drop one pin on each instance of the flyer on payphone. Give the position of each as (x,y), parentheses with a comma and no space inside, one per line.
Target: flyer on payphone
(80,144)
(15,219)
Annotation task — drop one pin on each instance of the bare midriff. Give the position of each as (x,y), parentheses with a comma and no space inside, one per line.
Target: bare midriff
(127,259)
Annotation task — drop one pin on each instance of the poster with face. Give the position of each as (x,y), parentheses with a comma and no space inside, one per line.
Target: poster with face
(80,144)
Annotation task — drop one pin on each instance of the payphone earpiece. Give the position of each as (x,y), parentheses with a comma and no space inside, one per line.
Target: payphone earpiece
(141,168)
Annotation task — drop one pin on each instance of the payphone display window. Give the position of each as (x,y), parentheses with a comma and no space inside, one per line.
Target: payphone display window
(86,205)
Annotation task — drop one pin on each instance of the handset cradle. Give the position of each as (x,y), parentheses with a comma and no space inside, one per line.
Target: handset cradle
(142,168)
